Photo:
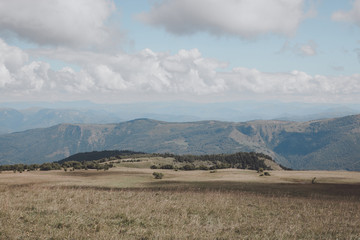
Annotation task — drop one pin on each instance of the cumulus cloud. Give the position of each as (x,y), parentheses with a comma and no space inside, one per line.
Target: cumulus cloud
(80,23)
(352,16)
(295,83)
(135,76)
(243,18)
(12,57)
(147,71)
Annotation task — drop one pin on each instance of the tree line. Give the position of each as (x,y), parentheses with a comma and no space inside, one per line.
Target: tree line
(240,160)
(71,165)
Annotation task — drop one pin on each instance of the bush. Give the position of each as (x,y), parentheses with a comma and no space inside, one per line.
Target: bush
(167,166)
(158,175)
(153,167)
(203,167)
(266,173)
(188,167)
(49,166)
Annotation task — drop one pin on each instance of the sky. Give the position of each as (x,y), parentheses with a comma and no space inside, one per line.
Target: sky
(121,51)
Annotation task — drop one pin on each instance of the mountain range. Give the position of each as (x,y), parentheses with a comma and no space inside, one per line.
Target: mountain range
(16,117)
(330,144)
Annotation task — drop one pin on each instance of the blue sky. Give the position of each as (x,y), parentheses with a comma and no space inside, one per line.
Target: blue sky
(199,50)
(266,52)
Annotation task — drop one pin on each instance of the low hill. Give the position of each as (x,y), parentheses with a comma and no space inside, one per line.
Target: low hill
(108,159)
(240,160)
(96,155)
(329,144)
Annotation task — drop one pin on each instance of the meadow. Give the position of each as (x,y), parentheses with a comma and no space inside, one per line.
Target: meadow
(126,202)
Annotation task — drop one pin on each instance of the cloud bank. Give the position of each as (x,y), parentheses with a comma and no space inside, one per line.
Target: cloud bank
(243,18)
(80,23)
(187,75)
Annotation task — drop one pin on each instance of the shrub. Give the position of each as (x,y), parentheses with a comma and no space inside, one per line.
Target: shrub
(46,167)
(153,167)
(203,167)
(188,167)
(266,173)
(158,175)
(167,166)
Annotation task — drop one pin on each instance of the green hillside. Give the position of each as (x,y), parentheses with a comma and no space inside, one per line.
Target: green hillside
(324,144)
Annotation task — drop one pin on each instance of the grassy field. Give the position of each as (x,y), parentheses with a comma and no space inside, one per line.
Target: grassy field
(128,203)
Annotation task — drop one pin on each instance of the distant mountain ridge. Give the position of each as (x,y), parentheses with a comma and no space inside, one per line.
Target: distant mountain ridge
(16,117)
(322,144)
(12,120)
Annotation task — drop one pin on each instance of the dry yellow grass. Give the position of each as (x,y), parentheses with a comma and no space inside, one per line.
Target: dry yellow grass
(142,177)
(128,203)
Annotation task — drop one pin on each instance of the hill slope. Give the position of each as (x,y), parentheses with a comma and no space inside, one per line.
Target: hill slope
(323,144)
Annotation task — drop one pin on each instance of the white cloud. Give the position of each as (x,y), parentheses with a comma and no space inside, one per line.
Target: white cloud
(244,18)
(308,49)
(5,77)
(79,23)
(147,71)
(147,74)
(352,16)
(12,57)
